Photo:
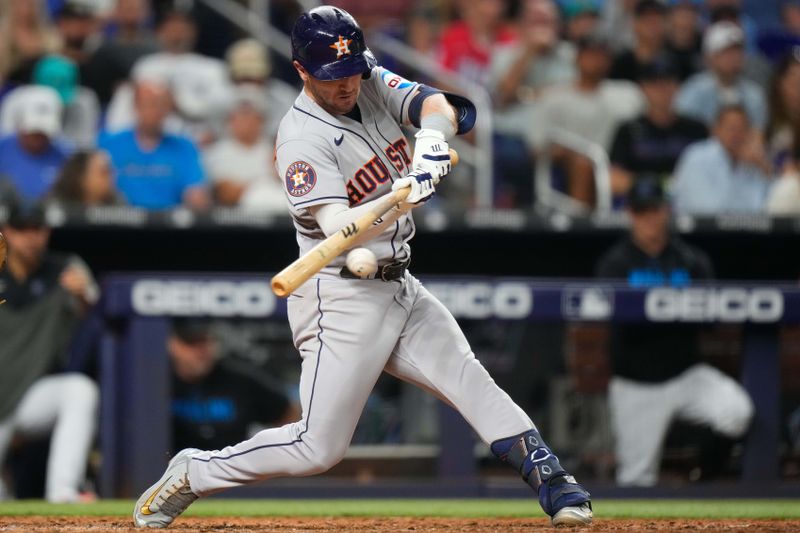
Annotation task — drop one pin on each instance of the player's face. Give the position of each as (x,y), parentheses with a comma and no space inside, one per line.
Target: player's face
(337,97)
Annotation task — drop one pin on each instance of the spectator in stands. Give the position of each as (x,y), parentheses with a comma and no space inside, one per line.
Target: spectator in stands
(684,38)
(86,179)
(465,45)
(726,173)
(81,108)
(783,127)
(705,93)
(649,28)
(45,296)
(617,22)
(25,36)
(582,18)
(239,165)
(77,23)
(657,373)
(249,65)
(217,402)
(128,38)
(784,195)
(200,85)
(590,110)
(156,170)
(32,156)
(790,15)
(652,142)
(539,59)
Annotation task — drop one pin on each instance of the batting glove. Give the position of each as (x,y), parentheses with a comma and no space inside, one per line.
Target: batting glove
(431,154)
(422,186)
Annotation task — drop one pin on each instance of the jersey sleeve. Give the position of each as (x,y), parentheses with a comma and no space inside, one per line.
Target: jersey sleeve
(310,174)
(395,91)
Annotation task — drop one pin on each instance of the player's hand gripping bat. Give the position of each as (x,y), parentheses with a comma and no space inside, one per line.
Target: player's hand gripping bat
(290,278)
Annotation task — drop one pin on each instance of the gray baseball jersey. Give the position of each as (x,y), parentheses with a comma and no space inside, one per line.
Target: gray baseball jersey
(349,331)
(336,159)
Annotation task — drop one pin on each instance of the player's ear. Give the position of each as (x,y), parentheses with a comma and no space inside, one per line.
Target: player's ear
(301,71)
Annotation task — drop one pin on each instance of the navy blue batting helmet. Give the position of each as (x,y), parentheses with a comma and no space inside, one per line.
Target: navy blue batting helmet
(329,43)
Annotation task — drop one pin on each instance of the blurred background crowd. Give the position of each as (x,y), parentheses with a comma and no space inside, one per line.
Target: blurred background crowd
(162,103)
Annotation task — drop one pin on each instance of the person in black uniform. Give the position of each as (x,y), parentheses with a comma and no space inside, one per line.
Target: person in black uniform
(46,295)
(216,402)
(657,376)
(653,141)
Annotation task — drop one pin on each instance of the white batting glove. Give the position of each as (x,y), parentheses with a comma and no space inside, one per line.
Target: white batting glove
(431,154)
(422,186)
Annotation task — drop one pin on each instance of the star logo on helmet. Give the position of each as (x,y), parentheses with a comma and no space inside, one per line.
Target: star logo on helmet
(342,47)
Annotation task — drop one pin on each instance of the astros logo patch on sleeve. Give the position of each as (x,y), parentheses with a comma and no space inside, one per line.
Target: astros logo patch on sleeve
(300,178)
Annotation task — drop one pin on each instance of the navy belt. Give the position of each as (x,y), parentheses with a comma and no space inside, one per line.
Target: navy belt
(388,272)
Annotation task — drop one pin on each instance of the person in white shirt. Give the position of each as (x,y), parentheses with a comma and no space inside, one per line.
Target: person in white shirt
(240,164)
(590,110)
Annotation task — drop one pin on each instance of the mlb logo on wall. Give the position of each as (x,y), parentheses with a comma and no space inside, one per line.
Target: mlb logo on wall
(300,178)
(587,303)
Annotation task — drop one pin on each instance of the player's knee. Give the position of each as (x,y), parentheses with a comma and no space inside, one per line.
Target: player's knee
(323,459)
(736,416)
(79,390)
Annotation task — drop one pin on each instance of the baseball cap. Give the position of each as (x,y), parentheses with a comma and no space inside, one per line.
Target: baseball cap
(38,110)
(192,329)
(661,68)
(644,7)
(26,215)
(721,36)
(646,192)
(59,73)
(248,60)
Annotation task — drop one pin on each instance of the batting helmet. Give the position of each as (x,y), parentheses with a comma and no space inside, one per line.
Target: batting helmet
(329,43)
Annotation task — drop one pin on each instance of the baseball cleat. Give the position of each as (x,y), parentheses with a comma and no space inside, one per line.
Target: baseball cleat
(578,515)
(159,505)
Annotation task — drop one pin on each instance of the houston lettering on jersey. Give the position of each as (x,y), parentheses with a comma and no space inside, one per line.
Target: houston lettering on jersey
(374,172)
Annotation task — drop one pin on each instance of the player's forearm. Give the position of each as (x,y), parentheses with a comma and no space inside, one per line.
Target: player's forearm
(438,114)
(333,217)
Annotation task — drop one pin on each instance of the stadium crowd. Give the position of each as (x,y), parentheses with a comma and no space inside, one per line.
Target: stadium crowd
(108,102)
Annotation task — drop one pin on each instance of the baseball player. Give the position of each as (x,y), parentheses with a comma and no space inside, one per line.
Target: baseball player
(338,148)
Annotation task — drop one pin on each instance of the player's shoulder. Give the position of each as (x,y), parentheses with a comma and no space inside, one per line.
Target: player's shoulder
(303,123)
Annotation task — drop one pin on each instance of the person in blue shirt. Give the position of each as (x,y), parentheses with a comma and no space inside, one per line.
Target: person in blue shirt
(31,158)
(155,169)
(723,83)
(727,173)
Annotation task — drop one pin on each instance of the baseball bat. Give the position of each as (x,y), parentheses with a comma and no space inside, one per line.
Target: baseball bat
(290,278)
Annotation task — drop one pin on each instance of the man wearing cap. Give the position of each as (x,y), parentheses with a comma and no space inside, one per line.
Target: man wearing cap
(218,401)
(723,83)
(46,294)
(653,142)
(32,157)
(657,373)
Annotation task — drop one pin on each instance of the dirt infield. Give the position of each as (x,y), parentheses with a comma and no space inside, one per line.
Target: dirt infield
(342,525)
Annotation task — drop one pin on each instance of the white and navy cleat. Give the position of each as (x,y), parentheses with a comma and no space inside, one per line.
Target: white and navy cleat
(171,495)
(577,515)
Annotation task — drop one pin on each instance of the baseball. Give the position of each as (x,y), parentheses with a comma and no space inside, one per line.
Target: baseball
(362,262)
